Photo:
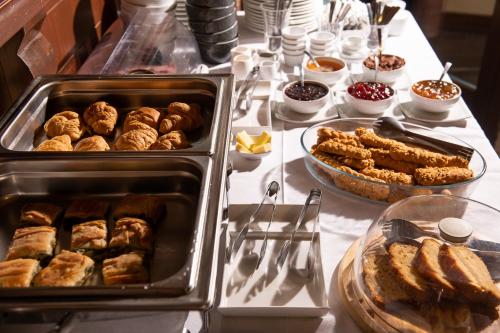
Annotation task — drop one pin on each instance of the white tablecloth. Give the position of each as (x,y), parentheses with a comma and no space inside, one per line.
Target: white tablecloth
(343,219)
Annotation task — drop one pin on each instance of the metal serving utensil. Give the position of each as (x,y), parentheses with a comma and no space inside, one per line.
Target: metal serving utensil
(390,127)
(311,256)
(244,85)
(301,75)
(312,58)
(446,68)
(285,249)
(271,191)
(264,242)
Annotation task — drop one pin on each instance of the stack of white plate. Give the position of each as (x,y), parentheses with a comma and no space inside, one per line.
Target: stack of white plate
(304,14)
(180,13)
(128,8)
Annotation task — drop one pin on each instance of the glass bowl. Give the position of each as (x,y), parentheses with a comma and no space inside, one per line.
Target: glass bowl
(346,183)
(390,293)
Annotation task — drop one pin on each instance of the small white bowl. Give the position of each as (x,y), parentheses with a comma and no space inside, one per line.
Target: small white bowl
(293,52)
(308,107)
(293,60)
(368,106)
(329,78)
(322,37)
(294,33)
(293,46)
(383,76)
(434,105)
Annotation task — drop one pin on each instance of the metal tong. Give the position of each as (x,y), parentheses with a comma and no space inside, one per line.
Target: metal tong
(272,190)
(314,195)
(252,77)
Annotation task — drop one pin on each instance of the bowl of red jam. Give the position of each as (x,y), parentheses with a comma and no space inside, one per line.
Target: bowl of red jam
(435,95)
(370,97)
(309,98)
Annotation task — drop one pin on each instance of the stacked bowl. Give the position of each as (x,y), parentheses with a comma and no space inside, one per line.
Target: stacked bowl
(128,8)
(214,26)
(322,43)
(294,41)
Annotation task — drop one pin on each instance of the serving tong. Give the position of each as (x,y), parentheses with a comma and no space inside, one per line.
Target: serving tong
(391,128)
(247,85)
(314,196)
(380,14)
(401,230)
(272,191)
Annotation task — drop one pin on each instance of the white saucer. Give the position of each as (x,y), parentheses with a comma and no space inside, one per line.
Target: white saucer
(458,112)
(329,111)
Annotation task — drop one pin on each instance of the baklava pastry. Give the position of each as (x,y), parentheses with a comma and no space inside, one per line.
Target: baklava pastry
(101,118)
(32,242)
(136,140)
(93,143)
(125,269)
(43,214)
(66,122)
(18,273)
(171,141)
(131,234)
(181,117)
(86,210)
(89,238)
(144,207)
(57,143)
(67,269)
(144,115)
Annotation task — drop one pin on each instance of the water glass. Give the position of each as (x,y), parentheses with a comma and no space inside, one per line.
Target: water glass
(274,20)
(372,41)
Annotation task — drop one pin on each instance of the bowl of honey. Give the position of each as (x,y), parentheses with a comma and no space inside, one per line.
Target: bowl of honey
(330,71)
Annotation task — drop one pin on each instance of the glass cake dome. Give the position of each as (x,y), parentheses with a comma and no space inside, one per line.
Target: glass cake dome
(430,264)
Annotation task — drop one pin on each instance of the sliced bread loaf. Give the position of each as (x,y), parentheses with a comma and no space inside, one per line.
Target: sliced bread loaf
(401,257)
(427,265)
(380,280)
(468,274)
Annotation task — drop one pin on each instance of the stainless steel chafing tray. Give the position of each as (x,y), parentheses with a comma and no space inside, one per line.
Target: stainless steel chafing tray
(182,265)
(21,128)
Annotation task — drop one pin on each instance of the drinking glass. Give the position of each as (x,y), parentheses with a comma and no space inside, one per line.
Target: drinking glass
(372,41)
(274,21)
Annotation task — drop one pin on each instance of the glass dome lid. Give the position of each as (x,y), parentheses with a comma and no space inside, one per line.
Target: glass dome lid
(432,264)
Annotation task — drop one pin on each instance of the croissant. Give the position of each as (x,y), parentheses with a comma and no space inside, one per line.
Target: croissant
(101,118)
(66,122)
(93,143)
(182,116)
(138,139)
(57,143)
(145,115)
(171,141)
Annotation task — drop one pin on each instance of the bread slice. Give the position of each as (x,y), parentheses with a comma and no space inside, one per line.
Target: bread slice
(381,281)
(427,265)
(468,274)
(401,258)
(446,317)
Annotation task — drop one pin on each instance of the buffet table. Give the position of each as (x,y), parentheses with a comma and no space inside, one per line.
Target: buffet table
(343,219)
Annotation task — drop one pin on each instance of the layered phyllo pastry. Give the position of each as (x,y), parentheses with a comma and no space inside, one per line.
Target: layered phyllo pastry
(44,214)
(67,269)
(131,234)
(127,268)
(143,207)
(18,273)
(86,210)
(89,238)
(32,242)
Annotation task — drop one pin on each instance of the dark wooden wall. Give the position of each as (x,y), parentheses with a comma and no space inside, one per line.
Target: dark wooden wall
(47,37)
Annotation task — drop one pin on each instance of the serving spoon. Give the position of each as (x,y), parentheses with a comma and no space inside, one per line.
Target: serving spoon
(311,57)
(446,68)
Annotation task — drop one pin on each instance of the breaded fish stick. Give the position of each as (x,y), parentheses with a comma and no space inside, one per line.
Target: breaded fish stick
(355,163)
(442,176)
(427,158)
(383,158)
(334,147)
(370,139)
(326,133)
(389,176)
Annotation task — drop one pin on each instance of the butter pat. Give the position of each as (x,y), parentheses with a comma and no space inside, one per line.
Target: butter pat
(242,149)
(265,137)
(263,148)
(244,139)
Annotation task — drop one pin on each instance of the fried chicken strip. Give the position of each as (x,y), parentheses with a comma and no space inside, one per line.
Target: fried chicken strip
(383,158)
(355,163)
(389,176)
(370,139)
(426,158)
(327,133)
(441,176)
(338,148)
